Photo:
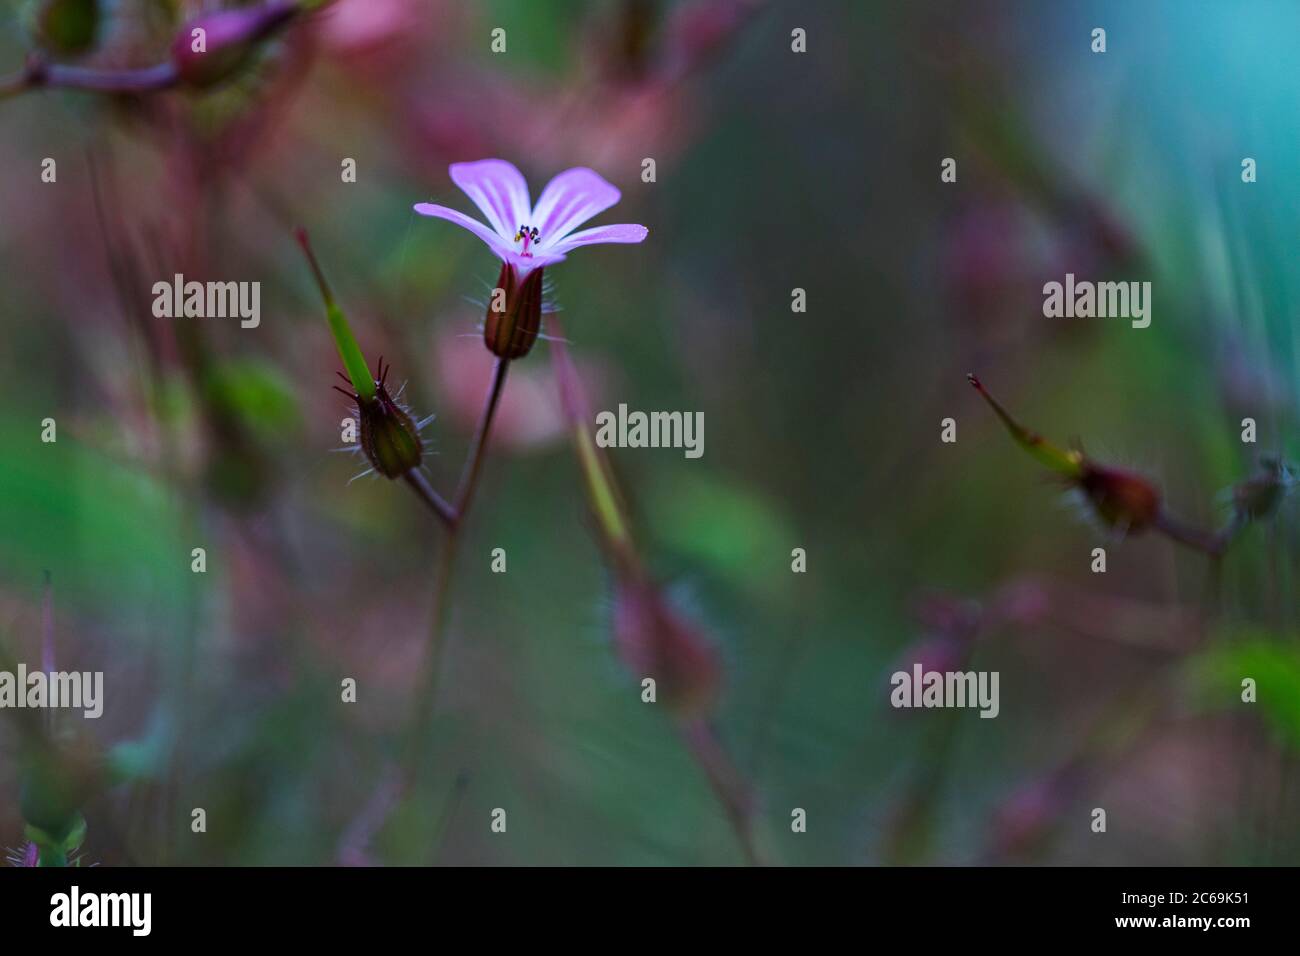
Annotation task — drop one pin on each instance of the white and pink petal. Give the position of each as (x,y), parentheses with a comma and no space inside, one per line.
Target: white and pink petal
(569,200)
(499,190)
(499,245)
(620,232)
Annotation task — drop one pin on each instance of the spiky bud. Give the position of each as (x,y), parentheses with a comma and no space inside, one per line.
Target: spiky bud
(1257,497)
(389,436)
(1122,499)
(228,40)
(514,313)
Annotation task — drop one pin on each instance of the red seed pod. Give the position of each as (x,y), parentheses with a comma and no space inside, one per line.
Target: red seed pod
(654,640)
(1122,499)
(514,313)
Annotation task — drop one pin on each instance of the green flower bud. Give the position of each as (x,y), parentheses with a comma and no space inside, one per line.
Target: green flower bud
(389,437)
(66,27)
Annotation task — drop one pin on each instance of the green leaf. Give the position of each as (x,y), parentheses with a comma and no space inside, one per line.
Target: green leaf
(719,524)
(257,394)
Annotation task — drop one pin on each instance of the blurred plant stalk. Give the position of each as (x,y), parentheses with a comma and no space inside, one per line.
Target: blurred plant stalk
(1130,503)
(652,637)
(398,456)
(62,768)
(230,39)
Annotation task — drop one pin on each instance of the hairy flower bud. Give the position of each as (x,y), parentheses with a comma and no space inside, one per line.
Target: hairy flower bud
(227,41)
(514,313)
(655,641)
(1257,497)
(1122,499)
(389,437)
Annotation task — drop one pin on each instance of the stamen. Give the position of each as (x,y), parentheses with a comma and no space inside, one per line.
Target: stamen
(528,235)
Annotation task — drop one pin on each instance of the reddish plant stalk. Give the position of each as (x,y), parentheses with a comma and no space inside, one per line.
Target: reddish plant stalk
(445,567)
(729,786)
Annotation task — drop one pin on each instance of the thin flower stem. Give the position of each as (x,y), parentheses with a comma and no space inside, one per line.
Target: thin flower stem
(38,74)
(420,485)
(437,630)
(447,559)
(606,502)
(1212,544)
(727,785)
(474,464)
(613,524)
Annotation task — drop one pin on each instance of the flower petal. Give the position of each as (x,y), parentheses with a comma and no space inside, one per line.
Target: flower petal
(525,264)
(500,246)
(622,232)
(569,200)
(499,190)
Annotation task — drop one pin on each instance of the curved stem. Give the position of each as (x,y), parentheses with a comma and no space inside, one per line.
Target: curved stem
(420,485)
(1212,544)
(37,74)
(474,464)
(726,783)
(447,559)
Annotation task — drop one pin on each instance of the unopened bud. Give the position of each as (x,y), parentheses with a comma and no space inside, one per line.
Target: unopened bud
(1122,499)
(389,436)
(227,41)
(514,313)
(1257,497)
(655,641)
(66,27)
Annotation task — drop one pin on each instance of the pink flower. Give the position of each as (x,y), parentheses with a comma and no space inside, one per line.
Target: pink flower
(528,236)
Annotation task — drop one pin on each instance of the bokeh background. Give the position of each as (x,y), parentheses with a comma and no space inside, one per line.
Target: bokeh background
(775,170)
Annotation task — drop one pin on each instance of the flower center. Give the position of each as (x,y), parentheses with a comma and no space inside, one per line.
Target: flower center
(527,235)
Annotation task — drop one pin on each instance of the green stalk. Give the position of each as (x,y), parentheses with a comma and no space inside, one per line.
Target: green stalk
(1068,463)
(355,363)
